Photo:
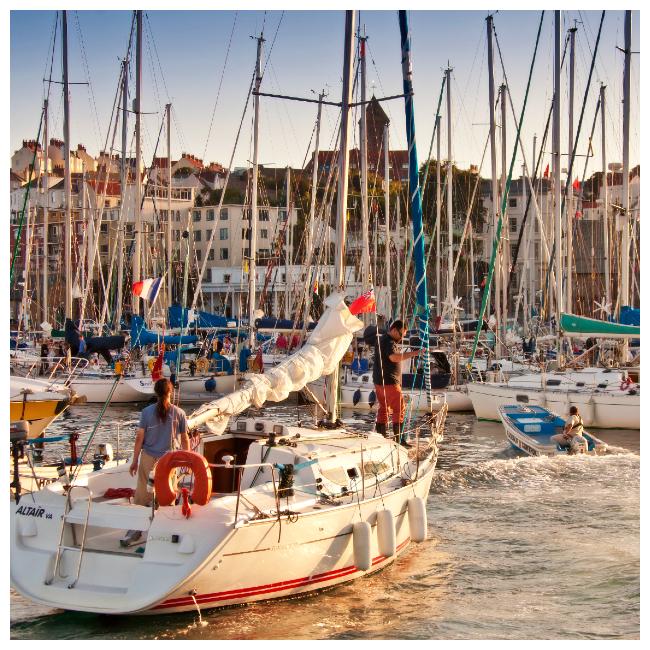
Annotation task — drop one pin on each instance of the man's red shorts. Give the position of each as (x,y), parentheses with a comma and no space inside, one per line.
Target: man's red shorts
(390,400)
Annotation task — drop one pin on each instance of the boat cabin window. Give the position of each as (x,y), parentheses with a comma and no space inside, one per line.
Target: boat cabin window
(522,398)
(553,382)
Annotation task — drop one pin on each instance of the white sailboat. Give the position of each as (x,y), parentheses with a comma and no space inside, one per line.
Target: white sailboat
(277,510)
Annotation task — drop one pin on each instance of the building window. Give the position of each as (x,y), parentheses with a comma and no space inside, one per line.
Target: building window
(223,255)
(129,228)
(513,224)
(197,235)
(103,249)
(264,215)
(226,276)
(246,214)
(512,203)
(282,214)
(210,215)
(103,228)
(223,234)
(211,255)
(178,215)
(264,253)
(198,255)
(264,233)
(245,233)
(196,215)
(223,215)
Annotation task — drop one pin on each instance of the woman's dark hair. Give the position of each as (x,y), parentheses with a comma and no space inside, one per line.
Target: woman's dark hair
(162,388)
(397,325)
(573,410)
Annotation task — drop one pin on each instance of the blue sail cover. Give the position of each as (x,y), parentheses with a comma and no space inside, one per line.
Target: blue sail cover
(177,317)
(281,324)
(630,316)
(140,335)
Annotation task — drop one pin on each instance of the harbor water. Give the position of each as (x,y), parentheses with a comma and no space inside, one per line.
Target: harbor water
(518,548)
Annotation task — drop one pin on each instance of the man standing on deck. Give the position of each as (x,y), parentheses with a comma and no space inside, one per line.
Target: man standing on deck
(387,377)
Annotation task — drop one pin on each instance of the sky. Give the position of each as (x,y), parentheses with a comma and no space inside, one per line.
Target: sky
(185,62)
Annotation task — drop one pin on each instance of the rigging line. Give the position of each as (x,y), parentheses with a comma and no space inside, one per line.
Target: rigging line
(53,42)
(223,192)
(277,29)
(577,137)
(504,201)
(84,60)
(223,72)
(433,135)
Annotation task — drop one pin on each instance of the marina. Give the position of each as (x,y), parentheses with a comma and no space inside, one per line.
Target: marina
(381,393)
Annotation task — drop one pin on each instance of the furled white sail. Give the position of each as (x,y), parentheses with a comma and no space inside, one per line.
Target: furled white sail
(318,357)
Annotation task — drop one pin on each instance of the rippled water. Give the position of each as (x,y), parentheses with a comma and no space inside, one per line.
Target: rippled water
(518,548)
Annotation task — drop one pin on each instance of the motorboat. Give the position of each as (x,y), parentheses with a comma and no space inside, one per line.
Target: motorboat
(529,429)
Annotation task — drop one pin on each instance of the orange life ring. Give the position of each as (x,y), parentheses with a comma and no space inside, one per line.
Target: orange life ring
(165,492)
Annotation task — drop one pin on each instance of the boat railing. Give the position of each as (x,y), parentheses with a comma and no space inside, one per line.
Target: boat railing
(54,370)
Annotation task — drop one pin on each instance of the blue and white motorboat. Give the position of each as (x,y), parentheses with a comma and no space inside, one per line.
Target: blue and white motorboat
(529,429)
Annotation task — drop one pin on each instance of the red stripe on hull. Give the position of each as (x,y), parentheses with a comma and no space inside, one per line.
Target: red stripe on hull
(272,587)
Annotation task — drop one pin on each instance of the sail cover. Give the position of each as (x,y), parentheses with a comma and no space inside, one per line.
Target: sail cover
(319,356)
(582,326)
(140,335)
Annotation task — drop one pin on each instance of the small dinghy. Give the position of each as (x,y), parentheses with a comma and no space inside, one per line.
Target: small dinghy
(529,429)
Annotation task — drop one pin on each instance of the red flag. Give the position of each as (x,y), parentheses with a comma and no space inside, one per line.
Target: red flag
(546,172)
(578,214)
(259,360)
(364,303)
(576,184)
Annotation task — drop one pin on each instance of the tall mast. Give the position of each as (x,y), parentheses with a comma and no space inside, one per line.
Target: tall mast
(137,247)
(312,211)
(46,215)
(557,170)
(342,195)
(363,140)
(605,191)
(123,181)
(287,255)
(253,241)
(438,220)
(168,232)
(389,302)
(533,257)
(422,298)
(450,204)
(67,183)
(505,248)
(570,211)
(492,223)
(625,239)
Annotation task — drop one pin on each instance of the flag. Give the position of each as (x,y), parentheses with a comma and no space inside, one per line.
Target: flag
(147,289)
(546,172)
(364,303)
(578,214)
(316,286)
(576,184)
(259,360)
(156,371)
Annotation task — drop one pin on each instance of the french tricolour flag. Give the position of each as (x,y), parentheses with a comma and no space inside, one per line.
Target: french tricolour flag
(147,289)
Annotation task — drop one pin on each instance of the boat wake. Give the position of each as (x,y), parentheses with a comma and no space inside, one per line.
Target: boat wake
(541,471)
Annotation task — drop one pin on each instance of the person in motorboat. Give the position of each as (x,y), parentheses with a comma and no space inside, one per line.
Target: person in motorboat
(571,435)
(162,428)
(387,377)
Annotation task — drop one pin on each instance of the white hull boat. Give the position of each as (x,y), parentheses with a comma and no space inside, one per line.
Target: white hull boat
(97,388)
(605,399)
(204,388)
(529,429)
(277,510)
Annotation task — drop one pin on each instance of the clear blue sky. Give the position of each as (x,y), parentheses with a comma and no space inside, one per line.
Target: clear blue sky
(185,66)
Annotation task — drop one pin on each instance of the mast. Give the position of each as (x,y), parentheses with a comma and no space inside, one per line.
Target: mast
(570,211)
(287,254)
(625,238)
(123,181)
(533,257)
(416,199)
(67,183)
(605,190)
(471,267)
(342,195)
(253,241)
(137,244)
(557,170)
(492,223)
(46,215)
(450,204)
(438,221)
(389,302)
(505,249)
(312,212)
(168,232)
(363,143)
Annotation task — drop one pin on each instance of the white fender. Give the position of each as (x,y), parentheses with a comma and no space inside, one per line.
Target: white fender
(187,545)
(417,519)
(386,533)
(361,533)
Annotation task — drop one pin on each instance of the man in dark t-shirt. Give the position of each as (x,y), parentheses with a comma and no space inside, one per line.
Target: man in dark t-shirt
(387,377)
